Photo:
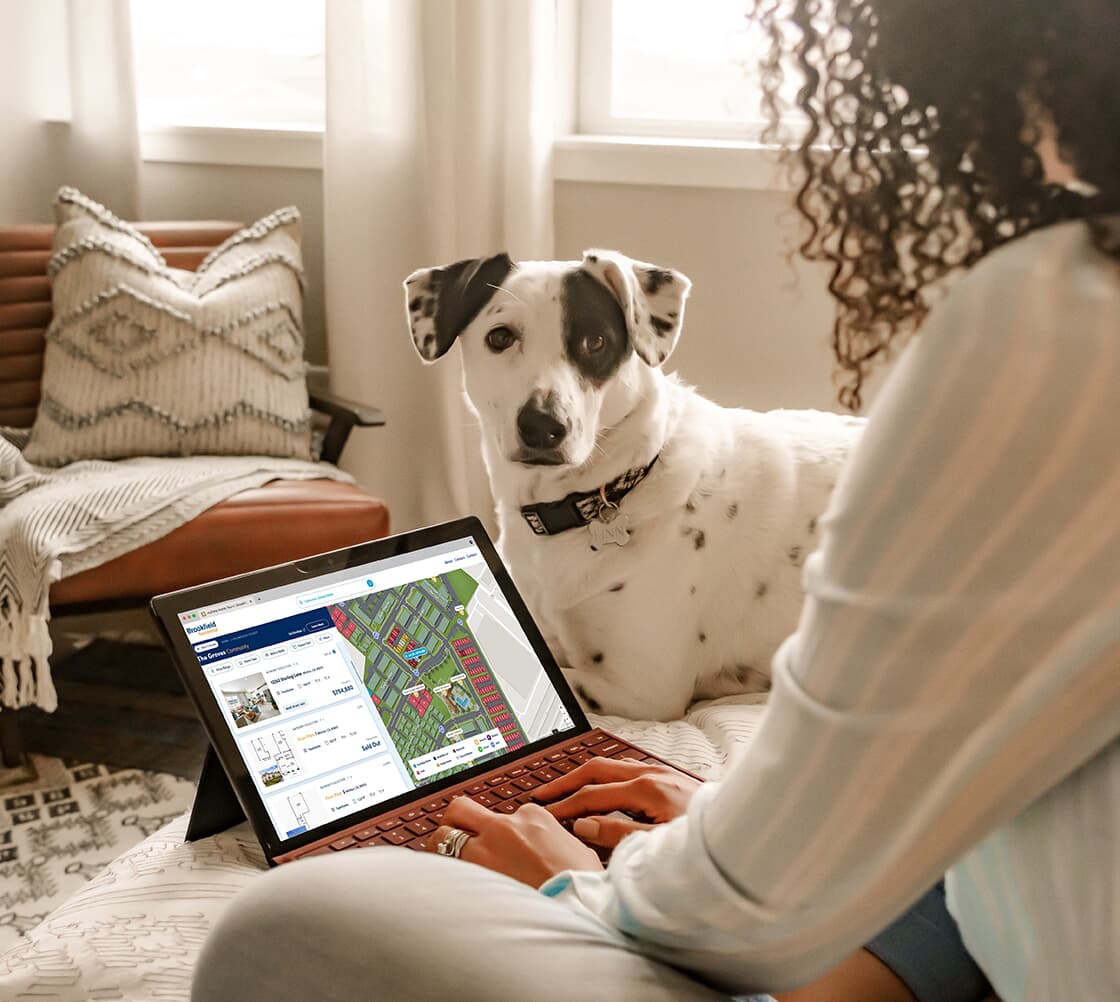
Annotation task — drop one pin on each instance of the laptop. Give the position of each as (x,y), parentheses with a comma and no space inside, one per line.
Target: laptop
(350,695)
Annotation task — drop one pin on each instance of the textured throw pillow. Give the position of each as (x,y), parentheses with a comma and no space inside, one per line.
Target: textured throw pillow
(146,360)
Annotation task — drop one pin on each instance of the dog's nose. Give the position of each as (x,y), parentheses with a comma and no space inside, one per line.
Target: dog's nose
(538,429)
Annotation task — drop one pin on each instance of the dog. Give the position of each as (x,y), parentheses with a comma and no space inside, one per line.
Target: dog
(657,538)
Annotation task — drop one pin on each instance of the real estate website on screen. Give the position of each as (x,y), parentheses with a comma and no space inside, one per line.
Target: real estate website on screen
(344,695)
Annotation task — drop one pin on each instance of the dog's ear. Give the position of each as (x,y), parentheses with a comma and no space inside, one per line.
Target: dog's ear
(442,301)
(652,300)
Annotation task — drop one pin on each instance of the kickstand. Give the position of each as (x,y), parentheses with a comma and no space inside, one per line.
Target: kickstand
(215,807)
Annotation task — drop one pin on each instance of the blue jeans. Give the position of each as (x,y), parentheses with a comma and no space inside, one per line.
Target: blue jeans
(924,949)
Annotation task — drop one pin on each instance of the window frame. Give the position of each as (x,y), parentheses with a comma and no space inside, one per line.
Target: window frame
(601,148)
(237,146)
(291,144)
(593,148)
(594,38)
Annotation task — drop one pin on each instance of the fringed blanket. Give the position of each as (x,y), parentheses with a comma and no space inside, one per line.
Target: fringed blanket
(54,523)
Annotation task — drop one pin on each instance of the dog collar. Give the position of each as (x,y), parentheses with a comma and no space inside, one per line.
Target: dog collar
(577,509)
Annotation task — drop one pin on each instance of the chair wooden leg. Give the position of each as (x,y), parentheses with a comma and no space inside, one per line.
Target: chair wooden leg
(11,748)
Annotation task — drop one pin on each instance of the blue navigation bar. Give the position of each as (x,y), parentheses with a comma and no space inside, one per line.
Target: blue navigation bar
(266,635)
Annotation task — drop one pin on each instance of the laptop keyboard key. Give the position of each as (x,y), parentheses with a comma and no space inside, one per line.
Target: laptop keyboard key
(608,749)
(344,843)
(565,766)
(434,805)
(546,775)
(398,837)
(364,834)
(487,800)
(507,806)
(594,739)
(388,823)
(526,782)
(421,826)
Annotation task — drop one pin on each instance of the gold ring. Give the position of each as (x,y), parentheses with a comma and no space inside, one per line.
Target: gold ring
(453,842)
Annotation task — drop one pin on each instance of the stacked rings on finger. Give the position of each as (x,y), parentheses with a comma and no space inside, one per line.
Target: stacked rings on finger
(453,842)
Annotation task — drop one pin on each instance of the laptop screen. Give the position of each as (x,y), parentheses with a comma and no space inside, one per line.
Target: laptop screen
(351,689)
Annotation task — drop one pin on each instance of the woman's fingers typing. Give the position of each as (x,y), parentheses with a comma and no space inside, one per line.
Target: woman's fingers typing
(604,800)
(652,791)
(462,812)
(596,770)
(608,830)
(529,845)
(600,798)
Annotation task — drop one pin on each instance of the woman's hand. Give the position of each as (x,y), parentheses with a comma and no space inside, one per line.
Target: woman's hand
(529,845)
(650,793)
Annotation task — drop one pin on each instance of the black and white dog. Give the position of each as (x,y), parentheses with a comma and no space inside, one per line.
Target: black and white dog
(657,537)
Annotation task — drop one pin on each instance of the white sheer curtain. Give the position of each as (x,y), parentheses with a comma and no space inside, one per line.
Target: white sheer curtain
(104,148)
(67,60)
(439,128)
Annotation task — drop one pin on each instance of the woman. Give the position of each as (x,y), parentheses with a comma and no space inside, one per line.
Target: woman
(951,698)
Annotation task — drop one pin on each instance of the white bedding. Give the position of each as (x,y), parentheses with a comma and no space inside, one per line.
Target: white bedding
(134,931)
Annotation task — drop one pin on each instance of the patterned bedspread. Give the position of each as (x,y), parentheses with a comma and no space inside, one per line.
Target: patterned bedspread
(133,933)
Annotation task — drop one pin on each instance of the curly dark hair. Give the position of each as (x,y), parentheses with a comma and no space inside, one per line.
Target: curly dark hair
(919,157)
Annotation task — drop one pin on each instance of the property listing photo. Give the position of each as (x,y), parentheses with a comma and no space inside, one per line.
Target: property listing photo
(647,469)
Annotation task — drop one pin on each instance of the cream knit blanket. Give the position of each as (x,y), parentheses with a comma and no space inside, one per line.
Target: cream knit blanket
(57,522)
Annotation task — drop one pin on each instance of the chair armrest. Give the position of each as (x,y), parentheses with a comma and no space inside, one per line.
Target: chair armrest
(326,402)
(344,415)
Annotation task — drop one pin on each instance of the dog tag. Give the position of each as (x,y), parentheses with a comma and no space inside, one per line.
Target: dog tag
(609,531)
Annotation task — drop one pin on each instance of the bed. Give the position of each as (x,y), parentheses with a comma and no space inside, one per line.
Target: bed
(134,931)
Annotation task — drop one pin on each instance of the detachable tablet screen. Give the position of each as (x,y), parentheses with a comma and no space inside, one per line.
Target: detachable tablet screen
(350,689)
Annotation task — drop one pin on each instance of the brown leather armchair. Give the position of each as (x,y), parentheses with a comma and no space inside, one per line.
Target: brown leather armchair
(283,520)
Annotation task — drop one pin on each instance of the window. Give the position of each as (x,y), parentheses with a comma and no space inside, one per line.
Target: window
(245,64)
(669,69)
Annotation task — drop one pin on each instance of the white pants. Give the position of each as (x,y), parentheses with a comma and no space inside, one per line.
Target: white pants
(399,925)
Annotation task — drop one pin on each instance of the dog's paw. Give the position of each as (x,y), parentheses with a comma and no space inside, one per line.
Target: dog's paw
(735,680)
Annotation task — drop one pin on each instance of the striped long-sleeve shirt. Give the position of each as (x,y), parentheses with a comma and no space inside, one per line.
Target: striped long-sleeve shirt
(950,700)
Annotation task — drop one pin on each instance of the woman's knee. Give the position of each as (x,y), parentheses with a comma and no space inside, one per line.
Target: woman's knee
(282,932)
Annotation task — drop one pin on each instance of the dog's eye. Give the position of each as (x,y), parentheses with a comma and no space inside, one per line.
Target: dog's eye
(594,343)
(500,338)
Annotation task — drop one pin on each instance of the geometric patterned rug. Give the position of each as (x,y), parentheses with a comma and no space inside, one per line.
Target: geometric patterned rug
(59,830)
